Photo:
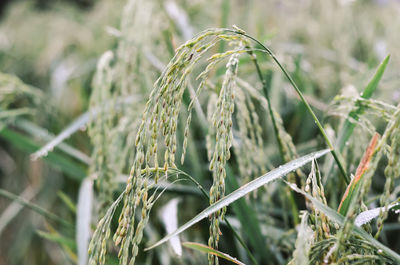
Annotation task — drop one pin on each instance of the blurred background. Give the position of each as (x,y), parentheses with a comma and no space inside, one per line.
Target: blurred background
(49,51)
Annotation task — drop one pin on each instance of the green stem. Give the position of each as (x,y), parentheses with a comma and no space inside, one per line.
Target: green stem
(293,83)
(34,207)
(295,210)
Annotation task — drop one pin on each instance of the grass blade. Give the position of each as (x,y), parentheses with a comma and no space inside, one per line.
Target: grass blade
(362,168)
(83,219)
(245,189)
(207,249)
(67,244)
(244,213)
(78,123)
(42,134)
(366,216)
(5,114)
(169,217)
(67,201)
(67,132)
(26,144)
(348,127)
(14,208)
(248,218)
(34,207)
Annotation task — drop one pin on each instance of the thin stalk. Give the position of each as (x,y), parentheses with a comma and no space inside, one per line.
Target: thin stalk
(295,210)
(293,83)
(34,207)
(225,8)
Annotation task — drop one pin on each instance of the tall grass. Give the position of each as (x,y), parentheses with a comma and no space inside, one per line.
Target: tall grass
(260,147)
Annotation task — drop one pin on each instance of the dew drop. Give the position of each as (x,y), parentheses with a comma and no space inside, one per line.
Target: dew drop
(380,250)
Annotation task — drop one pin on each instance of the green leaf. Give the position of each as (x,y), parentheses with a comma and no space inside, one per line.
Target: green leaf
(34,207)
(248,218)
(351,193)
(57,238)
(83,219)
(244,190)
(349,126)
(207,249)
(26,144)
(67,201)
(40,133)
(78,123)
(67,244)
(366,216)
(5,114)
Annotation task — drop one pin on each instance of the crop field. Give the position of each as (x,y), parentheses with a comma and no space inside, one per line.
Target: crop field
(199,132)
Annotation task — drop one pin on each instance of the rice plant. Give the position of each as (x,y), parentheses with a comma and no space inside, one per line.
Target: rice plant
(248,155)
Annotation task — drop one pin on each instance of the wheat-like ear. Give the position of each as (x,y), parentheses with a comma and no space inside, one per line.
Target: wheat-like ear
(222,123)
(99,130)
(160,118)
(392,170)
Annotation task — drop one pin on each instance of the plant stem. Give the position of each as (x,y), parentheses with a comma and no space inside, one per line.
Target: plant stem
(293,83)
(295,210)
(34,207)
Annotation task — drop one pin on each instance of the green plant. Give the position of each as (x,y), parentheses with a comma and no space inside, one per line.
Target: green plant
(223,116)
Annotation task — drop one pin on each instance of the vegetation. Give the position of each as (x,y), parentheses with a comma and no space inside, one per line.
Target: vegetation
(124,132)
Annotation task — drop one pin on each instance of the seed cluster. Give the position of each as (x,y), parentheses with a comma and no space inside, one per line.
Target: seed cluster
(160,118)
(222,124)
(248,140)
(392,170)
(97,129)
(314,185)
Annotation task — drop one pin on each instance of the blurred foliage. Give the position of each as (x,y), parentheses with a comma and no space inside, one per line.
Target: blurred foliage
(52,72)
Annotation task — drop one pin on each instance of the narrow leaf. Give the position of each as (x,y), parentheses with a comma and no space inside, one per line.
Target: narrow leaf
(83,218)
(80,122)
(26,144)
(244,190)
(349,126)
(169,217)
(67,244)
(57,238)
(248,218)
(67,201)
(77,124)
(207,249)
(24,202)
(38,132)
(361,169)
(14,208)
(366,216)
